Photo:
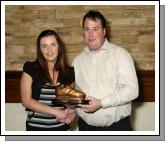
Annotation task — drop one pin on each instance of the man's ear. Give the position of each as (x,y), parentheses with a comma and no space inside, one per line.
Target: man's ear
(104,32)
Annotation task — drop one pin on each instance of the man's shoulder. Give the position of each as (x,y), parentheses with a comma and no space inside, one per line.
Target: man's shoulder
(80,55)
(118,49)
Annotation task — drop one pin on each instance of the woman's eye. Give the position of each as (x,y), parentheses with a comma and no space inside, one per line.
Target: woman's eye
(54,44)
(43,46)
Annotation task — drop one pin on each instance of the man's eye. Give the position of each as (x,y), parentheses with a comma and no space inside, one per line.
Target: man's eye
(95,29)
(86,29)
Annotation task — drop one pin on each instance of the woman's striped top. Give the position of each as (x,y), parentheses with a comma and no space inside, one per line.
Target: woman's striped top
(39,120)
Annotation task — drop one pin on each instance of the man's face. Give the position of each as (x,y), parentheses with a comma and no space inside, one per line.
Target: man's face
(94,34)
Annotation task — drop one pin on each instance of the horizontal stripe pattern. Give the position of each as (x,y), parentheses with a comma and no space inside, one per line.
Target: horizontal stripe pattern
(40,120)
(44,126)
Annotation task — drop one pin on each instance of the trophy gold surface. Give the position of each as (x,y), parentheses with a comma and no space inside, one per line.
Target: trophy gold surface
(69,95)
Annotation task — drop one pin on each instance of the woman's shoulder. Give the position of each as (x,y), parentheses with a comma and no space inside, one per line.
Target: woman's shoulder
(69,77)
(71,69)
(31,67)
(31,63)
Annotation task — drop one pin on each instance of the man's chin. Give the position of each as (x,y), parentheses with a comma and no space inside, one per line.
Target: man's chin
(92,46)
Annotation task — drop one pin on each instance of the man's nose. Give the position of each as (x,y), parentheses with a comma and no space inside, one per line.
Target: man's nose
(90,33)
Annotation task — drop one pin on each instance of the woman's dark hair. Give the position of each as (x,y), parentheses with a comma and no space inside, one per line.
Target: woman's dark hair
(60,65)
(94,15)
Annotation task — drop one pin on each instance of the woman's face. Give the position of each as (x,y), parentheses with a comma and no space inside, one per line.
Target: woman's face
(94,34)
(49,48)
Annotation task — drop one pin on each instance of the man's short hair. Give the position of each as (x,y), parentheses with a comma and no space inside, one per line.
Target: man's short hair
(95,15)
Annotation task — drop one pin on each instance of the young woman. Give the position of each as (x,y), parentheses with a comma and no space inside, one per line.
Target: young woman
(38,83)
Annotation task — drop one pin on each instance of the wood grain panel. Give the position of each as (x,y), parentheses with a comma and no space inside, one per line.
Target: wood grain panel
(12,86)
(146,81)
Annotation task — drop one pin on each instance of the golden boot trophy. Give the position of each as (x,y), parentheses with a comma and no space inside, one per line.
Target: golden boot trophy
(70,95)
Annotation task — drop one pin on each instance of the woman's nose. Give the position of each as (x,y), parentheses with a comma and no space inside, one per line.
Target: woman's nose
(49,48)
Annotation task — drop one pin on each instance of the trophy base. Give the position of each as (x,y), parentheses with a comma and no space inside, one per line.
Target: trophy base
(69,101)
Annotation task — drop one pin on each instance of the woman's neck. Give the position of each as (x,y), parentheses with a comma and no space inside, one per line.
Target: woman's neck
(51,66)
(53,74)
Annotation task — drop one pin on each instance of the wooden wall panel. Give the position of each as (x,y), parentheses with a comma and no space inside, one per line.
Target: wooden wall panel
(12,86)
(146,81)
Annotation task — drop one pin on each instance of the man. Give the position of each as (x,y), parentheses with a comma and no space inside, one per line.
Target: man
(106,73)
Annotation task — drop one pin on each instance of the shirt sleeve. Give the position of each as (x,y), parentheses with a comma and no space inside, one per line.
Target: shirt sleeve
(27,68)
(126,88)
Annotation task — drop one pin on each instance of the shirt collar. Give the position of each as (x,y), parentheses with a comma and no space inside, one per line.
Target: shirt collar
(103,48)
